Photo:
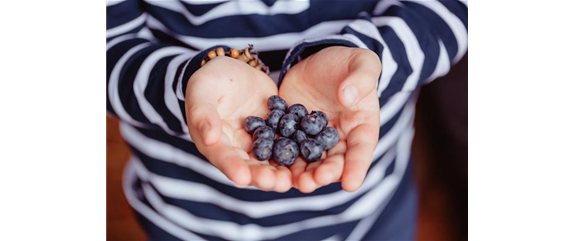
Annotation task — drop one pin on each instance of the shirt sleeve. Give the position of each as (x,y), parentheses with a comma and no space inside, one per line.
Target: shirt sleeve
(417,41)
(146,77)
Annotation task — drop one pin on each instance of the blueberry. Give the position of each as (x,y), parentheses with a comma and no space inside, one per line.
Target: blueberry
(311,150)
(263,148)
(276,103)
(299,136)
(287,125)
(252,122)
(298,110)
(314,123)
(273,119)
(328,138)
(285,151)
(263,132)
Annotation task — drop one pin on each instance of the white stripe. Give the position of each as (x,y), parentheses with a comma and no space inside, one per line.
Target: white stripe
(335,237)
(141,82)
(198,192)
(415,54)
(124,28)
(235,8)
(113,89)
(454,23)
(200,2)
(171,100)
(110,3)
(443,64)
(274,42)
(179,88)
(230,230)
(404,122)
(119,39)
(393,105)
(150,214)
(165,152)
(465,2)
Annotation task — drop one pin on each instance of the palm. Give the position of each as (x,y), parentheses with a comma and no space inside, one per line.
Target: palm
(316,82)
(223,93)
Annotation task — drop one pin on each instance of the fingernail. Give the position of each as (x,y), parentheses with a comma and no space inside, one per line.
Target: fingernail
(350,95)
(204,128)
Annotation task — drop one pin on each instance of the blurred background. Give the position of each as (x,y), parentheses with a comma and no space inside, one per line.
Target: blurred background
(441,164)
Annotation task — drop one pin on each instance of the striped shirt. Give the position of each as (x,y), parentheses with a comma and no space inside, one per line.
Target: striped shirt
(153,47)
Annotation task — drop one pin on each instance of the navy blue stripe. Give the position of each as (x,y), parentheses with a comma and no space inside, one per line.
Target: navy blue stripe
(214,212)
(426,37)
(399,54)
(135,30)
(200,9)
(126,83)
(255,25)
(154,93)
(174,141)
(322,232)
(113,55)
(385,128)
(427,26)
(121,13)
(168,39)
(458,9)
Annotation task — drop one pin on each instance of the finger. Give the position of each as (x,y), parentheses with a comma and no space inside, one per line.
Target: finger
(263,177)
(306,182)
(361,144)
(229,161)
(283,182)
(364,72)
(355,87)
(296,169)
(331,168)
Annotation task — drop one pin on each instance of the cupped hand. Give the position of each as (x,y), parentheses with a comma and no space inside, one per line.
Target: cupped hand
(340,81)
(219,96)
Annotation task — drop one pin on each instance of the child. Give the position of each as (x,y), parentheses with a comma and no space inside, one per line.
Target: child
(192,175)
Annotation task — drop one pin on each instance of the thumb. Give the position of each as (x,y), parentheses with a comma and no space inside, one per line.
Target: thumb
(364,72)
(355,87)
(204,122)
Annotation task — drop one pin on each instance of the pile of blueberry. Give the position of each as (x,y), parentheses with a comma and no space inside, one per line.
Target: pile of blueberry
(299,133)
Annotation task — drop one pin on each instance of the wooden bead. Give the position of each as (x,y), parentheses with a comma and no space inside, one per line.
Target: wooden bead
(258,67)
(247,54)
(243,58)
(253,63)
(211,54)
(234,53)
(220,51)
(202,63)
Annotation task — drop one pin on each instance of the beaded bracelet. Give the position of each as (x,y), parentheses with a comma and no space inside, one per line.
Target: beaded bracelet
(247,55)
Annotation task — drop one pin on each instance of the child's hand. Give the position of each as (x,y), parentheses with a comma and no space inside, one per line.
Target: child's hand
(340,81)
(219,97)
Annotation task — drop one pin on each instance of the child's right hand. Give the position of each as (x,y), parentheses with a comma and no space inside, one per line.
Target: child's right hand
(219,96)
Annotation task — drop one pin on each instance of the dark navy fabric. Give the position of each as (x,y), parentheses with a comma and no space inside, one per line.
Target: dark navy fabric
(282,31)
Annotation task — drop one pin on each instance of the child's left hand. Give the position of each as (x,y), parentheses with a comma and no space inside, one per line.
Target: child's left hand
(340,81)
